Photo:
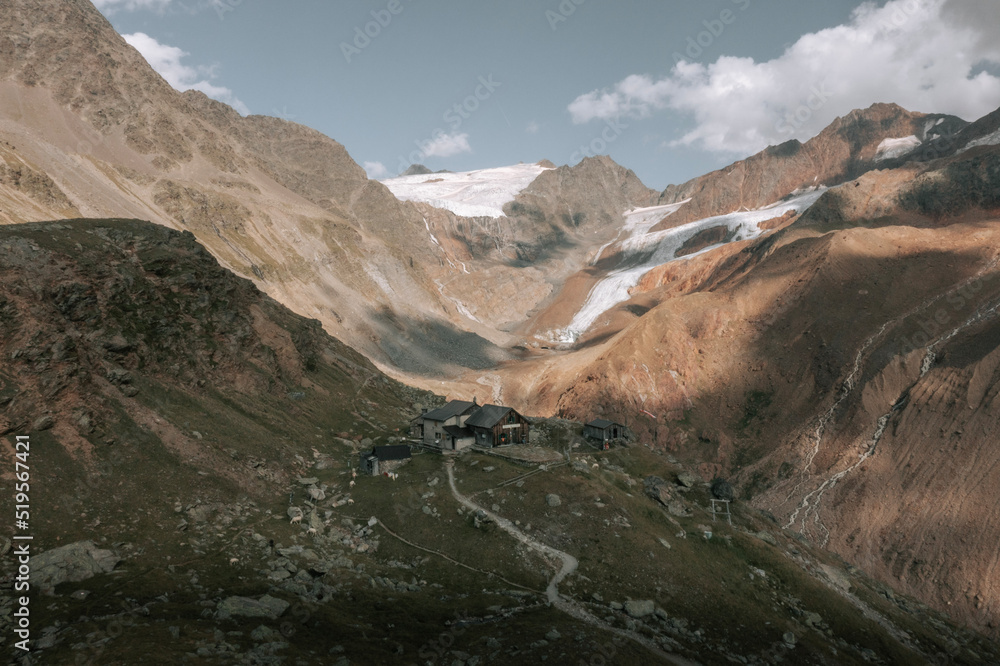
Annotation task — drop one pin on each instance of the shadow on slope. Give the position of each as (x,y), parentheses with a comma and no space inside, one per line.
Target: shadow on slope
(433,347)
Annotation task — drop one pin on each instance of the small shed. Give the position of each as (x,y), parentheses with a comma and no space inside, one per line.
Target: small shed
(384,459)
(605,431)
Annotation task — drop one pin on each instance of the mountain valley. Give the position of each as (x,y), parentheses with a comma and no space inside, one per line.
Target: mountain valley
(208,317)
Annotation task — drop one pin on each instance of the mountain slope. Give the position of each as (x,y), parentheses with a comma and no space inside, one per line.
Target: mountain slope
(88,129)
(801,364)
(846,149)
(177,418)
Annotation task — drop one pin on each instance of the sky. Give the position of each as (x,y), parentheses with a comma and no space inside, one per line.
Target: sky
(670,89)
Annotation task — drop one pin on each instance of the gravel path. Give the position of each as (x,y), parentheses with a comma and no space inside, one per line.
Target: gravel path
(569,565)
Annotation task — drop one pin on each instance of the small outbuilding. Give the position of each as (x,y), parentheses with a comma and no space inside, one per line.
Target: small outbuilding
(605,432)
(384,459)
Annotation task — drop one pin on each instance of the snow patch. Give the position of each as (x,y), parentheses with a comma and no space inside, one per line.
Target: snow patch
(643,250)
(640,220)
(481,193)
(890,148)
(988,140)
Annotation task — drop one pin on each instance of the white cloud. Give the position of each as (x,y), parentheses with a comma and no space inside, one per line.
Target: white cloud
(166,60)
(532,128)
(446,145)
(920,54)
(376,170)
(110,6)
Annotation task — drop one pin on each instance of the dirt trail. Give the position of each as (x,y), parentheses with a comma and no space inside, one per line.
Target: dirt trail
(569,565)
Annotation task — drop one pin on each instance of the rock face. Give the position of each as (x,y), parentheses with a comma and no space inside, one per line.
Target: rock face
(71,564)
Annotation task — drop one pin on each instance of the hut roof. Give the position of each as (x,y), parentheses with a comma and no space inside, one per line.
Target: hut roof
(488,416)
(453,408)
(603,423)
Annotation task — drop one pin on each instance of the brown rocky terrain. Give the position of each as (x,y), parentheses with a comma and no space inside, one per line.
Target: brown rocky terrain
(90,130)
(836,368)
(800,364)
(843,151)
(191,447)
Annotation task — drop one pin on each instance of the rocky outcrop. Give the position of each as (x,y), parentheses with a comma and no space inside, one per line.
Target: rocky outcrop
(266,607)
(73,563)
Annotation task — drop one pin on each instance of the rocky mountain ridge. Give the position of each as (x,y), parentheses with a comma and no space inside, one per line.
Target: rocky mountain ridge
(91,130)
(846,149)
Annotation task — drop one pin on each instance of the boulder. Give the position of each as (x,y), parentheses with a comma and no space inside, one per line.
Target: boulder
(658,489)
(267,607)
(553,500)
(723,490)
(308,480)
(71,564)
(686,479)
(677,508)
(315,522)
(640,609)
(264,634)
(200,513)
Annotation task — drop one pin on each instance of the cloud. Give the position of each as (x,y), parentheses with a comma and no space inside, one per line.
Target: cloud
(166,60)
(532,128)
(446,145)
(925,55)
(376,170)
(110,6)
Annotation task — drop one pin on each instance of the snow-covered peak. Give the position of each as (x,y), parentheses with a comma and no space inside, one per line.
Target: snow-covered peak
(481,193)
